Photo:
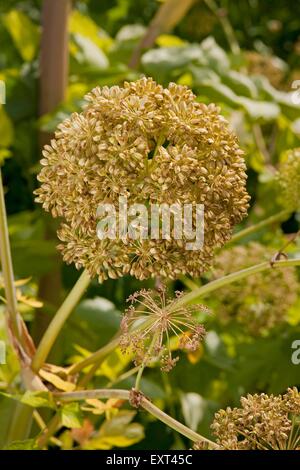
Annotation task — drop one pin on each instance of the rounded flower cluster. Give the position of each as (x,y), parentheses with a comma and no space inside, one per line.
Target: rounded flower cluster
(288,177)
(262,423)
(152,145)
(258,302)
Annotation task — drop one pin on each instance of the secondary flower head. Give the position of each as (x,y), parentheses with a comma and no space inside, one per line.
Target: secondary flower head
(258,302)
(262,423)
(152,145)
(152,319)
(288,177)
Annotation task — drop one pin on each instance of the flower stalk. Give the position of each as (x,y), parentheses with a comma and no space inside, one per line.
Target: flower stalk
(58,321)
(273,219)
(145,403)
(185,299)
(7,268)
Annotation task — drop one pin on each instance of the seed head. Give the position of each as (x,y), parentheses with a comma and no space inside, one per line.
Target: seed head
(153,145)
(262,423)
(161,318)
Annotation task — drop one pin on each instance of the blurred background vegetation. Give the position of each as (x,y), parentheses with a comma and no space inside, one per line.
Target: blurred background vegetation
(243,55)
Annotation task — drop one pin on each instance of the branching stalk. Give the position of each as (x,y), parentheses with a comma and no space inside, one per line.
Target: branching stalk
(191,297)
(146,404)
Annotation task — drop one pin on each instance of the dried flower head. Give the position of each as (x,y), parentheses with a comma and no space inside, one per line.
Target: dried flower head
(288,177)
(161,318)
(259,303)
(262,423)
(153,145)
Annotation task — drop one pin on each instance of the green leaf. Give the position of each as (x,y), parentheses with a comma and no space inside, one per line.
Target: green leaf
(117,432)
(240,83)
(84,26)
(24,32)
(42,399)
(71,416)
(262,111)
(27,444)
(215,56)
(6,129)
(90,53)
(160,62)
(92,324)
(209,85)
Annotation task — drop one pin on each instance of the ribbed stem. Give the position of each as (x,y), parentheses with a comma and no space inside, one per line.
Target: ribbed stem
(146,404)
(58,321)
(279,217)
(7,268)
(186,299)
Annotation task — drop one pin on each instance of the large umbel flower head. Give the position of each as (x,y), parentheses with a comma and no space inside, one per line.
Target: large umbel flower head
(262,422)
(153,145)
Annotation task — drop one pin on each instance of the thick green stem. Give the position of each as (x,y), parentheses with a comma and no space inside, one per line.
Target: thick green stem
(279,217)
(186,299)
(146,404)
(58,321)
(237,276)
(7,268)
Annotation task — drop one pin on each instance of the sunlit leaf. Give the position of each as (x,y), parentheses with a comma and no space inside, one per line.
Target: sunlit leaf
(24,33)
(71,416)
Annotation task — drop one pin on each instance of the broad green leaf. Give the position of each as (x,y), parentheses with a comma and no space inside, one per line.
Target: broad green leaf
(71,416)
(6,129)
(92,324)
(208,84)
(24,32)
(262,111)
(240,83)
(283,99)
(215,56)
(90,53)
(84,26)
(42,399)
(165,59)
